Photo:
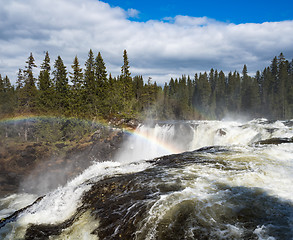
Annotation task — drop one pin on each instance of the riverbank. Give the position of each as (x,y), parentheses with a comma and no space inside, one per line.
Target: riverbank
(51,151)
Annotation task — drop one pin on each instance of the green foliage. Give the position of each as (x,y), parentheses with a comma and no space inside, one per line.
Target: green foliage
(76,76)
(27,97)
(77,92)
(50,130)
(45,86)
(7,96)
(126,80)
(102,84)
(94,94)
(61,87)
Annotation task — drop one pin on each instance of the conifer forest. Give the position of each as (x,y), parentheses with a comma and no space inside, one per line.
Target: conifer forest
(90,92)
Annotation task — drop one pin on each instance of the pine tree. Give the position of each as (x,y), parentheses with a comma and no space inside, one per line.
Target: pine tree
(7,96)
(181,109)
(245,91)
(91,101)
(195,96)
(101,83)
(77,90)
(220,95)
(89,74)
(20,79)
(290,90)
(115,100)
(127,88)
(28,98)
(203,92)
(267,90)
(282,81)
(1,84)
(76,76)
(190,89)
(255,97)
(138,88)
(233,93)
(2,96)
(61,86)
(100,70)
(45,85)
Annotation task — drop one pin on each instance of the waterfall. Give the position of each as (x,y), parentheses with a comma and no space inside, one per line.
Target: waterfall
(172,180)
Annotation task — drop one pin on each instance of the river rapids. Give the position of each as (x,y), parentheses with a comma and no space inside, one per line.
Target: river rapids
(172,180)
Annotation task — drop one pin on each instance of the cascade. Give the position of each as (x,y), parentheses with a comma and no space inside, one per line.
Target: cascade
(172,180)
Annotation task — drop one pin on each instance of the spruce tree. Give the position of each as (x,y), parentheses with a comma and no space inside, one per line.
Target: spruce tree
(28,98)
(255,97)
(89,74)
(127,88)
(45,85)
(2,96)
(267,89)
(102,86)
(220,95)
(245,91)
(100,70)
(7,96)
(61,86)
(203,92)
(190,89)
(282,82)
(138,88)
(90,83)
(77,89)
(20,79)
(76,76)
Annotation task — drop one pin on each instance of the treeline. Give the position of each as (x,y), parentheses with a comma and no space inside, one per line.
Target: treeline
(41,129)
(85,93)
(214,95)
(90,92)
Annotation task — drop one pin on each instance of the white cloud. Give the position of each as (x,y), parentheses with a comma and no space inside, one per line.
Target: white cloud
(133,13)
(159,49)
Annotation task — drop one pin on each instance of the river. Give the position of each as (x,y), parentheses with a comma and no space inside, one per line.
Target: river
(172,180)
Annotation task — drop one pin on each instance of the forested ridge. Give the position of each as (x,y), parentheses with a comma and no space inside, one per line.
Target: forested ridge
(90,92)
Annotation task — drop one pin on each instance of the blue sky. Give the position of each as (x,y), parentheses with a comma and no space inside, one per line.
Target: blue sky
(163,39)
(249,11)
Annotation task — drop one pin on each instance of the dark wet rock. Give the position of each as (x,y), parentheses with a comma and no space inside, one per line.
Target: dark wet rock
(124,122)
(275,141)
(288,123)
(132,123)
(221,132)
(14,216)
(43,232)
(121,205)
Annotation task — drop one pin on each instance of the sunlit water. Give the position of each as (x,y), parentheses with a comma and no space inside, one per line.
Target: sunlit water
(221,184)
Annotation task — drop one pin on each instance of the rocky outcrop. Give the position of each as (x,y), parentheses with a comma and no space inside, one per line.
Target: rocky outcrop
(275,141)
(27,163)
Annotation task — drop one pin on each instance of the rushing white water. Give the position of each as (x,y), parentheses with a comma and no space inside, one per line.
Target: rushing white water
(217,197)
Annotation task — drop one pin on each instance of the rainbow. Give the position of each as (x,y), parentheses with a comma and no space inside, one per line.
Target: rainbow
(24,118)
(170,149)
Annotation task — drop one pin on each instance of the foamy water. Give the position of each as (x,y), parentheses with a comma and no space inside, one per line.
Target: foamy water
(218,189)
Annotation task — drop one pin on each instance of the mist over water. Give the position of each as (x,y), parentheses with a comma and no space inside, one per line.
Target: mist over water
(173,180)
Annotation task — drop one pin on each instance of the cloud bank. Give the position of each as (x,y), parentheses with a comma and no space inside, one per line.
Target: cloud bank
(157,49)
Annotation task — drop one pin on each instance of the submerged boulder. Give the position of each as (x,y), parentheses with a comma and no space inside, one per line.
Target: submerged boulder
(275,141)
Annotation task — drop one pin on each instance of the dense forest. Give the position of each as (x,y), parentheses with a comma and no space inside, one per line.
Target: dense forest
(92,93)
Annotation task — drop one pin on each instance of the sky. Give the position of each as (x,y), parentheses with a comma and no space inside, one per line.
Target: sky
(232,11)
(163,39)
